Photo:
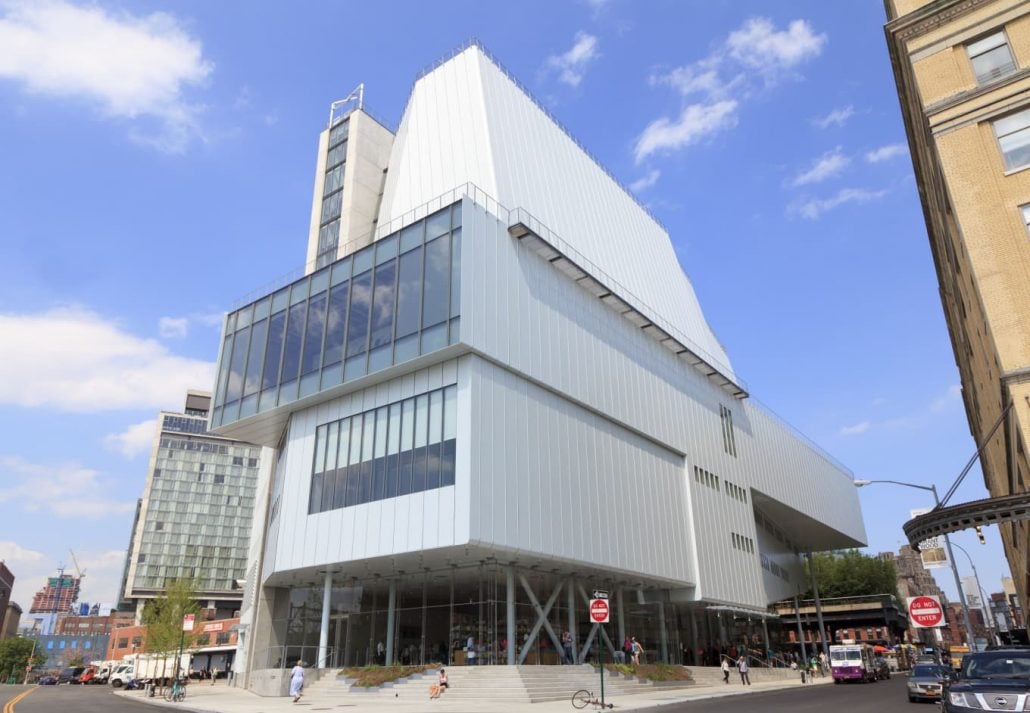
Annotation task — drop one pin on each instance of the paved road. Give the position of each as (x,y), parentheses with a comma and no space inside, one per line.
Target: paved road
(74,699)
(855,698)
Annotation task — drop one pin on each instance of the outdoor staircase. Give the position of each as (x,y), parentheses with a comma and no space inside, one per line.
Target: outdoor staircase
(712,675)
(495,684)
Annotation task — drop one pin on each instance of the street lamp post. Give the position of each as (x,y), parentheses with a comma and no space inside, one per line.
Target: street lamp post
(947,542)
(985,606)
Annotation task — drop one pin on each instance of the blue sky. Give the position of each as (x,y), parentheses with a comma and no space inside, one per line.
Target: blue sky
(158,164)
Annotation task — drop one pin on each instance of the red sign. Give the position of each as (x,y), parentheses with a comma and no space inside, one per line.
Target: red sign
(599,611)
(925,612)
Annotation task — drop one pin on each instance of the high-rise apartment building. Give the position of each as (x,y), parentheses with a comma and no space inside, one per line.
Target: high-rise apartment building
(194,518)
(54,600)
(962,69)
(493,389)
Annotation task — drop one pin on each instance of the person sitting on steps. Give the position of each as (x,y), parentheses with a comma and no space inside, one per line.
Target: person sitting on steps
(437,689)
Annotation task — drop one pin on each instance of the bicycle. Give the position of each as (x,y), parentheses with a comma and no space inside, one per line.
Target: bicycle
(584,698)
(177,693)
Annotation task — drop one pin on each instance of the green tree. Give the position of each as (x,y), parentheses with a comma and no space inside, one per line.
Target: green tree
(163,617)
(77,661)
(15,656)
(850,573)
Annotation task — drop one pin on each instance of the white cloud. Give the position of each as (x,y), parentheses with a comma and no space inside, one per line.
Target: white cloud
(13,552)
(814,208)
(128,67)
(695,122)
(826,166)
(856,429)
(885,153)
(103,578)
(713,87)
(75,360)
(173,327)
(571,66)
(759,45)
(645,182)
(65,490)
(952,396)
(836,117)
(134,440)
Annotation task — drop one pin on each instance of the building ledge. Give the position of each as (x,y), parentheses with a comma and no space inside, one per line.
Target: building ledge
(528,231)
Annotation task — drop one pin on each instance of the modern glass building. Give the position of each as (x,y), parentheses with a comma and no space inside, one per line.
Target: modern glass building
(194,518)
(493,392)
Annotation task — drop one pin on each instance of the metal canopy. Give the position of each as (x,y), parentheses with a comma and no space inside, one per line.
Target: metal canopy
(990,511)
(608,294)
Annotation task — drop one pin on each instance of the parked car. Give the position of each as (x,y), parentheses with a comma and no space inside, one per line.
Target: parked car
(926,682)
(70,675)
(1000,676)
(47,681)
(88,676)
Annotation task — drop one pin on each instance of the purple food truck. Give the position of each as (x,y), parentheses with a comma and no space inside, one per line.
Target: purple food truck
(852,662)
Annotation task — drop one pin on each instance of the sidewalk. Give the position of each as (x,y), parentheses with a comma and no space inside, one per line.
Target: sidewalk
(205,698)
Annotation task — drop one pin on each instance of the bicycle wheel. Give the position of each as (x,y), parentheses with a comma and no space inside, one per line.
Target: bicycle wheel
(582,698)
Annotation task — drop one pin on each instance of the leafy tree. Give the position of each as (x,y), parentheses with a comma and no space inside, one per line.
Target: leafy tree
(77,661)
(15,656)
(163,618)
(850,573)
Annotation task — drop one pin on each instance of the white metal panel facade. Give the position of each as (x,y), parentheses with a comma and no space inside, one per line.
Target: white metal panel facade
(410,523)
(467,121)
(522,312)
(554,479)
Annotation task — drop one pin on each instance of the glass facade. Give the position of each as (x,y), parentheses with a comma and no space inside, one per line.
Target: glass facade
(438,612)
(383,305)
(405,447)
(197,522)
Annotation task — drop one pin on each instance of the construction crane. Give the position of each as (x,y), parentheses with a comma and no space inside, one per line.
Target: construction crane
(81,572)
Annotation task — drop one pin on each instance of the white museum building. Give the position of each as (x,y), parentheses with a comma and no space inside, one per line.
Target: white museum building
(492,392)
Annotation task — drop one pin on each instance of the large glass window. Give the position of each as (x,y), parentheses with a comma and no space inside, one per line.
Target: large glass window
(436,287)
(336,324)
(329,327)
(313,339)
(276,331)
(239,360)
(402,448)
(294,339)
(259,332)
(1013,134)
(382,304)
(991,58)
(409,293)
(357,317)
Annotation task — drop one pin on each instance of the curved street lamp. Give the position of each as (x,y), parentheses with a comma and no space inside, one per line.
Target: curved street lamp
(947,541)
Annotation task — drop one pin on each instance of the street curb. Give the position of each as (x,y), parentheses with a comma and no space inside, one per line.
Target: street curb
(159,702)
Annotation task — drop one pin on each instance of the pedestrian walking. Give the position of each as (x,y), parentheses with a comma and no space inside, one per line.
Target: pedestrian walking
(742,668)
(566,644)
(637,650)
(726,671)
(297,681)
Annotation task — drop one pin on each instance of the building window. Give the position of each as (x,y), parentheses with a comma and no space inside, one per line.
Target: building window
(383,305)
(1013,134)
(404,447)
(729,443)
(991,58)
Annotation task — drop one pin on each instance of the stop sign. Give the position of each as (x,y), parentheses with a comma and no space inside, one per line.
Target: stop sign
(599,611)
(925,612)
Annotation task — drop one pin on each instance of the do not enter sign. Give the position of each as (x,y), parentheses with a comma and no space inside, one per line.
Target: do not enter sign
(925,612)
(599,611)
